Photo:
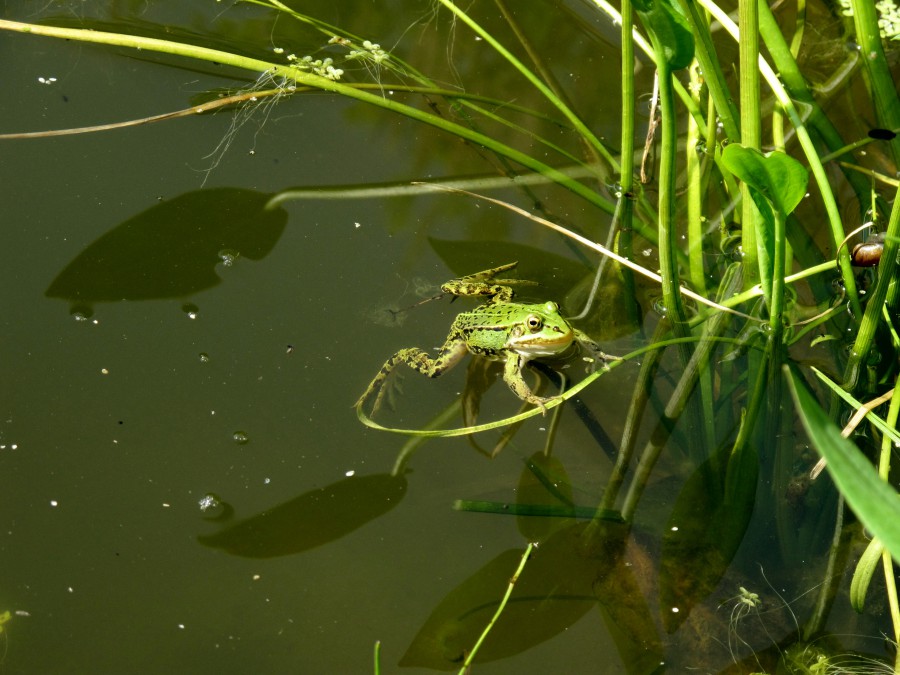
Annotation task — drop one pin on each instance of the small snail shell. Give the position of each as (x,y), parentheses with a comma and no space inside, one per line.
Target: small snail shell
(868,253)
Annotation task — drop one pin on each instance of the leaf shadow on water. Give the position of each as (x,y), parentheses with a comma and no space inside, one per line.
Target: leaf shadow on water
(172,249)
(568,574)
(312,519)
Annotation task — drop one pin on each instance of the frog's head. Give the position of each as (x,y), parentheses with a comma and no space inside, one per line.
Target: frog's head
(542,331)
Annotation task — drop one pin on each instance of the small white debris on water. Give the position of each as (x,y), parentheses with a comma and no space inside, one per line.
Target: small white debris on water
(349,473)
(208,502)
(357,225)
(46,80)
(54,503)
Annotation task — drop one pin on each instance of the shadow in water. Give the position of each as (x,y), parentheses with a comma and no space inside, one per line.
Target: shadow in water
(171,250)
(312,519)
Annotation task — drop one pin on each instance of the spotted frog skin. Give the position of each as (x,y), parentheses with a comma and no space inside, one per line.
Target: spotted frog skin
(499,330)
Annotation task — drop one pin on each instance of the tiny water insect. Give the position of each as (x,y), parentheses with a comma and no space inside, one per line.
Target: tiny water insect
(499,330)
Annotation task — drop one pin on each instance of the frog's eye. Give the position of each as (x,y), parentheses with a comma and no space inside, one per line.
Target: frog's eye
(533,322)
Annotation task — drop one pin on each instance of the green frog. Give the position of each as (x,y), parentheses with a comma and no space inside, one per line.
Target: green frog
(499,330)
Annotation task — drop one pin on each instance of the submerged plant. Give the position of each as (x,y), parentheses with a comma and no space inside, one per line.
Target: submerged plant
(744,220)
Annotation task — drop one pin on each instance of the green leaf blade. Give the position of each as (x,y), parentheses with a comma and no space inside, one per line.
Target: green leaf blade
(779,177)
(875,503)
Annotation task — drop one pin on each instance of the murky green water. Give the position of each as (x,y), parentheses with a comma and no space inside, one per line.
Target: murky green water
(184,486)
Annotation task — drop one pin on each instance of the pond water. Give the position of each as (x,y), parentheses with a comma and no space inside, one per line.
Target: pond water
(185,486)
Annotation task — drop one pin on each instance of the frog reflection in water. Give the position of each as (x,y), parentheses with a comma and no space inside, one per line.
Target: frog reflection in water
(499,330)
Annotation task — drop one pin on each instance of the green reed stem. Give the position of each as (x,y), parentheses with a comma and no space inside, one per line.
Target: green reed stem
(668,233)
(834,217)
(547,92)
(887,274)
(626,155)
(714,78)
(751,132)
(295,75)
(880,81)
(797,88)
(698,365)
(884,467)
(640,394)
(509,589)
(697,273)
(625,243)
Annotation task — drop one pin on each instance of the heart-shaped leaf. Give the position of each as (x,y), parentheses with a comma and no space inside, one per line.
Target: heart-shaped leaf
(669,32)
(780,178)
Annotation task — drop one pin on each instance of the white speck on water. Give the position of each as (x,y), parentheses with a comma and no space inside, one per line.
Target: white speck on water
(208,501)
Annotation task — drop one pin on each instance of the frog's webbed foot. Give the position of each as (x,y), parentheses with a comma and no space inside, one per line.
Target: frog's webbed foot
(417,359)
(485,284)
(383,384)
(594,350)
(512,375)
(540,402)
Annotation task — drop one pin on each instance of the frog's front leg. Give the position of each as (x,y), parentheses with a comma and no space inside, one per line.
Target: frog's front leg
(512,375)
(418,359)
(589,345)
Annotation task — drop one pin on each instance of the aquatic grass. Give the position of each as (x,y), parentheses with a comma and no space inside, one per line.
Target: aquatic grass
(526,554)
(291,74)
(810,153)
(734,442)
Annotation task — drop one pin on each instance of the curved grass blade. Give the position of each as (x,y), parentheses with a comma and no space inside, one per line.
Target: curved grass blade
(875,503)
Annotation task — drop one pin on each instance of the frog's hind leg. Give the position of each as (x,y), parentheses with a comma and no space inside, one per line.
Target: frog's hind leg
(418,360)
(485,284)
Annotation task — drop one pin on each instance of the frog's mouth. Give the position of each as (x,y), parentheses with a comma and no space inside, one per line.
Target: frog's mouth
(534,346)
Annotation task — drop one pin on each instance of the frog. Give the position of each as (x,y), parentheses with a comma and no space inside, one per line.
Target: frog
(498,330)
